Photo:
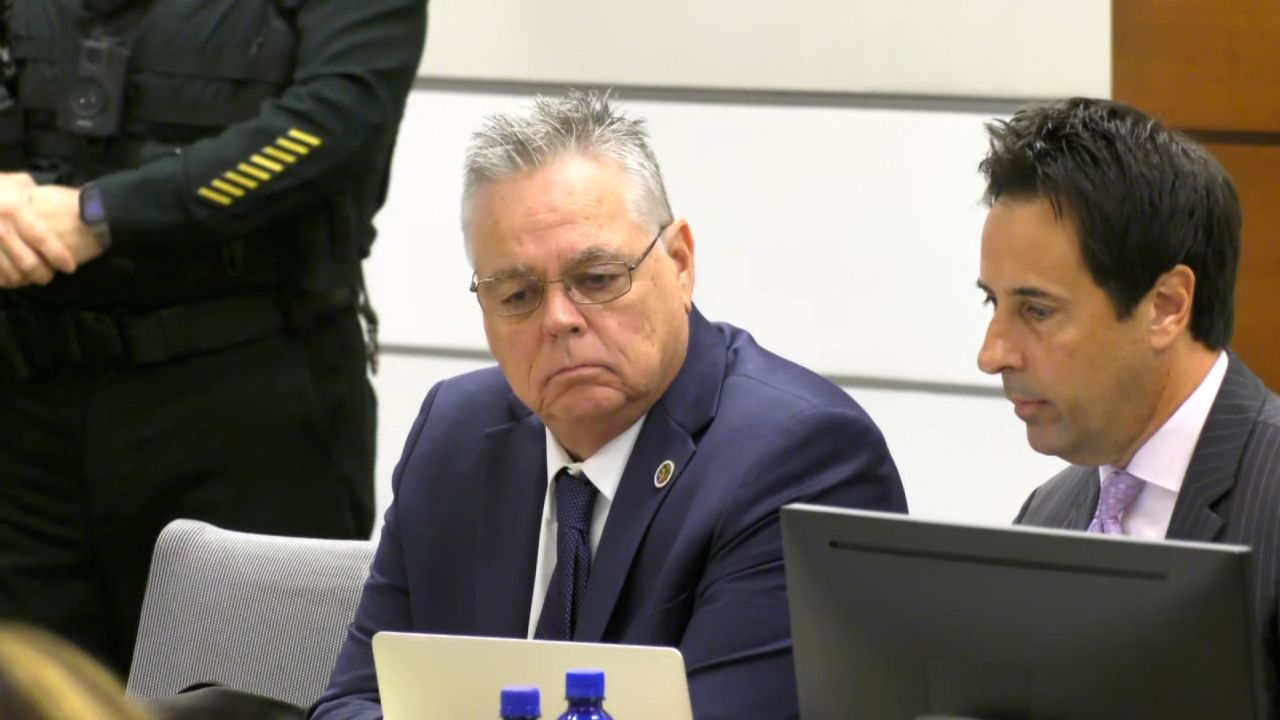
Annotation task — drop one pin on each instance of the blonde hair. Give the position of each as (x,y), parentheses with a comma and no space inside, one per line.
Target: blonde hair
(43,677)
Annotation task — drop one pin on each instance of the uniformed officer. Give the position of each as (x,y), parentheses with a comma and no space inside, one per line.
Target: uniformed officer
(189,195)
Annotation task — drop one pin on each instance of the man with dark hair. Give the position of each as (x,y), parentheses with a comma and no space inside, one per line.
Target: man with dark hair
(1109,260)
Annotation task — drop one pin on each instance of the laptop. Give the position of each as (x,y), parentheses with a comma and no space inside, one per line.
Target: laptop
(421,675)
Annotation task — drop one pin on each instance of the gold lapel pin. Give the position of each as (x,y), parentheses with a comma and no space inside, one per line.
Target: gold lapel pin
(663,474)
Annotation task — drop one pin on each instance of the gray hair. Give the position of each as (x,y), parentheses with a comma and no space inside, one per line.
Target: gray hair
(583,123)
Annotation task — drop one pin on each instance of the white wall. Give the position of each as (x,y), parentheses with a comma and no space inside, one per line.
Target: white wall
(977,48)
(845,238)
(825,153)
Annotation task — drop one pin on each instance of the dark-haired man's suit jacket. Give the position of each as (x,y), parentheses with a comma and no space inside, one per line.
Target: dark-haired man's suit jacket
(695,564)
(1231,492)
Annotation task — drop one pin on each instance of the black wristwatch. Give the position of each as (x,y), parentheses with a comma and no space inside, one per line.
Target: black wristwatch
(93,213)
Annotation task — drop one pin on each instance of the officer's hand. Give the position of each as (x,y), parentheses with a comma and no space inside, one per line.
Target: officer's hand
(59,207)
(29,252)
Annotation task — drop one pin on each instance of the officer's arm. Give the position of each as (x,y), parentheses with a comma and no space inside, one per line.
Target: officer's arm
(356,62)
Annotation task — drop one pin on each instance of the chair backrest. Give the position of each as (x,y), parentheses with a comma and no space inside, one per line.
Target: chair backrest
(258,613)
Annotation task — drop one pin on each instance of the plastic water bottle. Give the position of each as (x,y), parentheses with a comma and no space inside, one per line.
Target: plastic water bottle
(584,689)
(521,702)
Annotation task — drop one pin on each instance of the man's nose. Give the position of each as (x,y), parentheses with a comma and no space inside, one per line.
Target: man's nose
(561,315)
(997,354)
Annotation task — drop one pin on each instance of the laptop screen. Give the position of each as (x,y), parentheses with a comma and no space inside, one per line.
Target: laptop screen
(422,675)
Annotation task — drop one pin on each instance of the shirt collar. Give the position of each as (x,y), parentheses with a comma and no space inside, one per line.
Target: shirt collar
(1164,458)
(604,469)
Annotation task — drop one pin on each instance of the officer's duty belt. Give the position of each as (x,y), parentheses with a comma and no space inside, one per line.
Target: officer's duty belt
(36,339)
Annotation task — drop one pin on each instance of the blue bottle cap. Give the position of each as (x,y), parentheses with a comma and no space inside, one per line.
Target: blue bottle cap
(584,685)
(521,701)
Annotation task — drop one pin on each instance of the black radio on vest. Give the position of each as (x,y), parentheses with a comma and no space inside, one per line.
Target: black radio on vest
(214,167)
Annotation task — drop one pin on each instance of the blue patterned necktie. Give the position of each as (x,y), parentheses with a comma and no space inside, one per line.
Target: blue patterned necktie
(1118,492)
(575,499)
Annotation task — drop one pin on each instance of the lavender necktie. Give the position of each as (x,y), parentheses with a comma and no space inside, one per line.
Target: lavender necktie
(575,499)
(1118,492)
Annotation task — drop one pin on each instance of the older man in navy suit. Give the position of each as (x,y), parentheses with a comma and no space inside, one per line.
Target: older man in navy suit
(618,477)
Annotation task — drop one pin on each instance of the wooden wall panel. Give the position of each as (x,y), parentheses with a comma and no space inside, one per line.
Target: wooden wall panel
(1212,67)
(1199,64)
(1256,170)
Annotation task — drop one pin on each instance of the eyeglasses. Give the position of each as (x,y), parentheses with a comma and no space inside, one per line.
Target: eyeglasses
(593,284)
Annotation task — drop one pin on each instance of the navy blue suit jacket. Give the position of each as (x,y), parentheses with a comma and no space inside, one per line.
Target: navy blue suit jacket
(695,565)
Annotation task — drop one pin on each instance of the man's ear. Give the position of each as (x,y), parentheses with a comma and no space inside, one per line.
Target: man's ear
(1171,301)
(679,245)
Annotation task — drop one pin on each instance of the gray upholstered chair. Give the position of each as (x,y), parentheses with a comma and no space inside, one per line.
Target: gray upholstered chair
(257,613)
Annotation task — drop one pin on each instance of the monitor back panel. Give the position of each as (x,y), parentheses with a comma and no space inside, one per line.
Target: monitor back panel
(894,617)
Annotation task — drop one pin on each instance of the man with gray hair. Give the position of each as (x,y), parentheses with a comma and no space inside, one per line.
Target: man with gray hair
(617,477)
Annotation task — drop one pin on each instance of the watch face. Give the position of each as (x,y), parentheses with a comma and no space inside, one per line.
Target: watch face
(92,211)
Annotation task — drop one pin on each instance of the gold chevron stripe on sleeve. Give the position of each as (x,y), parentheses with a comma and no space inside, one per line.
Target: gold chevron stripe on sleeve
(240,180)
(279,154)
(213,196)
(227,188)
(291,146)
(248,169)
(271,165)
(305,137)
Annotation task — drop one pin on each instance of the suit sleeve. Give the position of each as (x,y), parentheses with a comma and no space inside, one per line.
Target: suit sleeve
(356,61)
(353,687)
(737,645)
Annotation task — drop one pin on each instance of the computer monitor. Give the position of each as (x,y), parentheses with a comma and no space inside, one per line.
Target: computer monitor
(895,618)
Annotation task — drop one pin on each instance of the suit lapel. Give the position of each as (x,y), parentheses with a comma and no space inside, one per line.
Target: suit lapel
(513,489)
(1086,491)
(681,415)
(633,508)
(1067,501)
(1212,472)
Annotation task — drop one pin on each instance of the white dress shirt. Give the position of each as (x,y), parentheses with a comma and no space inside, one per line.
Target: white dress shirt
(1163,459)
(604,470)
